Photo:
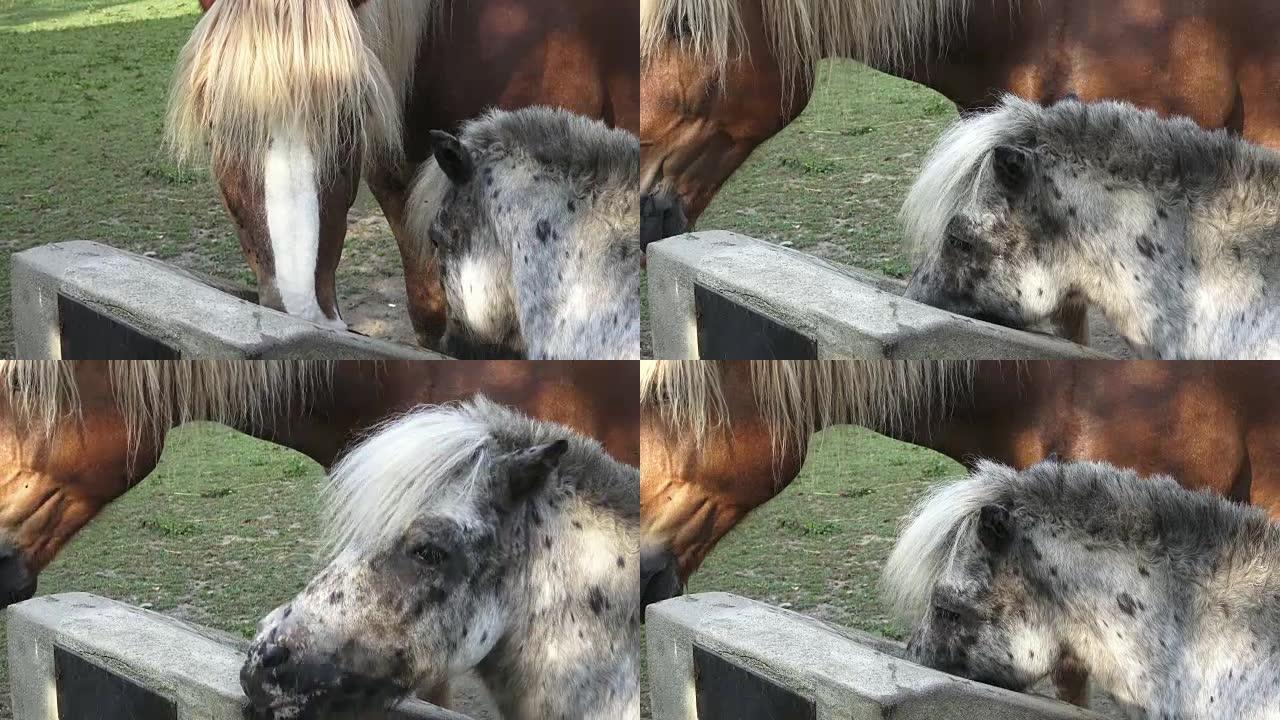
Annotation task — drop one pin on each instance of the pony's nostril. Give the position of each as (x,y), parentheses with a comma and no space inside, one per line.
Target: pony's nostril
(275,656)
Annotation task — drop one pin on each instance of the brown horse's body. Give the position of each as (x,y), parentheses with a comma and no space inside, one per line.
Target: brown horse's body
(1210,425)
(1215,62)
(581,55)
(54,486)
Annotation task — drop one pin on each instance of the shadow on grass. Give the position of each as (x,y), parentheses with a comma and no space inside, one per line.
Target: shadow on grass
(22,12)
(81,154)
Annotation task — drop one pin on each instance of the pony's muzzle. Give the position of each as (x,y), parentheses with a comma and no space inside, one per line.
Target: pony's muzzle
(661,216)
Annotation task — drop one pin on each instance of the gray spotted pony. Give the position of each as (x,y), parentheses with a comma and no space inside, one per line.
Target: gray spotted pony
(1170,231)
(466,537)
(533,216)
(1169,598)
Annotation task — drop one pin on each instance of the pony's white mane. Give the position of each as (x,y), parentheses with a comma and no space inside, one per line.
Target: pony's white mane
(928,541)
(315,68)
(882,33)
(796,398)
(432,457)
(953,171)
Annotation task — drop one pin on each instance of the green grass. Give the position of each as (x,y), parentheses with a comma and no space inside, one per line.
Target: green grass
(818,548)
(85,84)
(220,533)
(831,183)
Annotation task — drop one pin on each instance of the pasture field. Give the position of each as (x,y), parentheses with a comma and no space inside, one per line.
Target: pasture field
(221,533)
(818,547)
(831,183)
(85,84)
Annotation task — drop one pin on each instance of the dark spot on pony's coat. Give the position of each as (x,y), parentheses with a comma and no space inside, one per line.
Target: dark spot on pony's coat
(1161,213)
(1071,210)
(1143,572)
(1127,604)
(622,562)
(335,597)
(1145,247)
(572,206)
(596,601)
(543,230)
(577,525)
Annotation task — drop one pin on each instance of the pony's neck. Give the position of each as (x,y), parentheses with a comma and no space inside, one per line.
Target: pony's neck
(574,279)
(1162,637)
(572,647)
(1171,278)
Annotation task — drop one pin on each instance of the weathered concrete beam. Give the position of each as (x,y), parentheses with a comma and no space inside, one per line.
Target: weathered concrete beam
(720,295)
(727,654)
(84,300)
(61,644)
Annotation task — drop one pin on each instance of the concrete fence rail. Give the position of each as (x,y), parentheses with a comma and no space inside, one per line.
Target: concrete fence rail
(81,657)
(83,300)
(714,656)
(720,295)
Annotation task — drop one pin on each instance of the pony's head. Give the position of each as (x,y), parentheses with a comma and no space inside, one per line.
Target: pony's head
(1026,209)
(531,217)
(430,525)
(287,100)
(960,575)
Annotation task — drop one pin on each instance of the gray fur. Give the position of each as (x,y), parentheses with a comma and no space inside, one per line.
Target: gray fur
(1170,599)
(540,250)
(534,586)
(1171,231)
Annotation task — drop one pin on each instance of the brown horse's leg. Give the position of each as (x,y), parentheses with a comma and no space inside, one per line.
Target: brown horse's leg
(1071,681)
(1072,322)
(439,695)
(421,271)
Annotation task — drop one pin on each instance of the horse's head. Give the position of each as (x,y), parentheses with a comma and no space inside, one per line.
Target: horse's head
(712,90)
(422,587)
(969,575)
(287,102)
(996,220)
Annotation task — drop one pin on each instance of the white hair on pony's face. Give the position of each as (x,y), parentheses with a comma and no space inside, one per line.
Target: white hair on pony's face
(313,69)
(430,459)
(937,527)
(953,172)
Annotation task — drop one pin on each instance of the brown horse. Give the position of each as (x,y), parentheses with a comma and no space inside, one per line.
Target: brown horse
(719,77)
(293,100)
(719,439)
(75,436)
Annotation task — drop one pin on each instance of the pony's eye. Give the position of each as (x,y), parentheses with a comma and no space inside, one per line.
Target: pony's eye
(430,554)
(947,615)
(955,242)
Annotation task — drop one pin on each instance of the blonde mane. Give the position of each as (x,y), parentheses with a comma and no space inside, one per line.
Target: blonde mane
(882,33)
(317,69)
(156,395)
(797,398)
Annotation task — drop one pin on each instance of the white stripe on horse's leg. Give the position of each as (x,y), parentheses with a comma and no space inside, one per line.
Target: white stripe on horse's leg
(292,194)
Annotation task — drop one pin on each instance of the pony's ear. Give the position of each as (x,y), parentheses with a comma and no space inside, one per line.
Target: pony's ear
(1013,167)
(529,469)
(995,527)
(452,156)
